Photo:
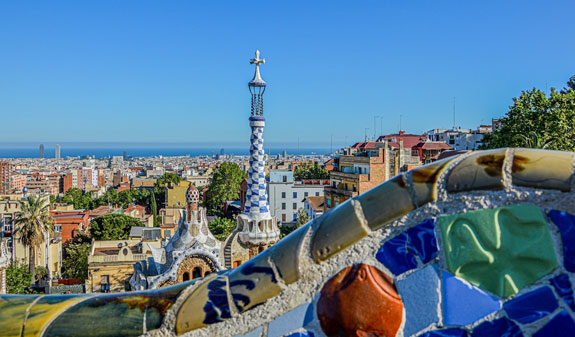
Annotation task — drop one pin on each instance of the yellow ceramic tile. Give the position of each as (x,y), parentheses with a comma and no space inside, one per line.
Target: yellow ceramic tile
(45,310)
(424,180)
(208,304)
(542,169)
(386,202)
(285,254)
(254,282)
(480,171)
(13,309)
(337,230)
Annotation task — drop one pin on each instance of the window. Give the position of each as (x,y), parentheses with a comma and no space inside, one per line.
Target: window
(283,218)
(305,194)
(284,179)
(105,283)
(186,277)
(283,205)
(328,202)
(294,217)
(317,194)
(197,272)
(295,205)
(360,170)
(336,203)
(295,195)
(354,188)
(283,195)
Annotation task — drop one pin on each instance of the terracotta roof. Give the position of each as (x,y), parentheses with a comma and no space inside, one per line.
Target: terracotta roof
(433,145)
(316,203)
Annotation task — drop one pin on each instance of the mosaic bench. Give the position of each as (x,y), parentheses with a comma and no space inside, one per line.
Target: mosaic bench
(476,245)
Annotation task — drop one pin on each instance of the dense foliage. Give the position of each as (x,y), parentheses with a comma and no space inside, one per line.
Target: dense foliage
(536,120)
(18,280)
(222,227)
(75,260)
(112,227)
(310,172)
(224,186)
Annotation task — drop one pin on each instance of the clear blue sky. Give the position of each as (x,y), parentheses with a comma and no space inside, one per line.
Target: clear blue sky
(177,71)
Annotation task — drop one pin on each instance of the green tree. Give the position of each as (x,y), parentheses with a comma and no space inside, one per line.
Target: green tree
(310,172)
(75,261)
(112,227)
(153,204)
(224,185)
(222,227)
(76,197)
(168,178)
(302,217)
(18,280)
(32,224)
(537,121)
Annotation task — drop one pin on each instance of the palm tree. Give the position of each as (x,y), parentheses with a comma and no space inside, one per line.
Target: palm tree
(32,224)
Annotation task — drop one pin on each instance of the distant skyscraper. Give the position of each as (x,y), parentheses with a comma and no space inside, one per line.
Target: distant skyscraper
(125,156)
(41,150)
(57,151)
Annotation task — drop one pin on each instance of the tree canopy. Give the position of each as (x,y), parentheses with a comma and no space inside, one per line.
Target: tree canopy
(75,261)
(224,185)
(310,172)
(112,227)
(536,120)
(18,280)
(222,227)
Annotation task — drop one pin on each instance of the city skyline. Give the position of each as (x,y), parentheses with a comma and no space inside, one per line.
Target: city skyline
(87,72)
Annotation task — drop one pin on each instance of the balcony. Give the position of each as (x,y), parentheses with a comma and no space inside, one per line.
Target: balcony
(339,191)
(115,258)
(348,176)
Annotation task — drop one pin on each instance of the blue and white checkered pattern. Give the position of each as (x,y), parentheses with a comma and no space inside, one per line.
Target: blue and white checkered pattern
(257,196)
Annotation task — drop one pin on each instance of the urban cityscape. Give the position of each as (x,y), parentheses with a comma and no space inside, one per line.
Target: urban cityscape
(410,223)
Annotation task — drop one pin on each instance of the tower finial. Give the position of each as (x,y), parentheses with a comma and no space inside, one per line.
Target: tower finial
(257,81)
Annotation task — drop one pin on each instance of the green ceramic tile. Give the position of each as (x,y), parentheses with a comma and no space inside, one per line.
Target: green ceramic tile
(13,309)
(500,250)
(531,168)
(480,171)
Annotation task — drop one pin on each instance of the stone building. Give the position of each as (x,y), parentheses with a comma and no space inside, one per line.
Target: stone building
(4,263)
(192,252)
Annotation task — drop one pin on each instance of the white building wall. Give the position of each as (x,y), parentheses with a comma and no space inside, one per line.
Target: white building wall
(286,198)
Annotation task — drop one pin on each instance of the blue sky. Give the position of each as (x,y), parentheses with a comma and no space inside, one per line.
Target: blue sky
(177,71)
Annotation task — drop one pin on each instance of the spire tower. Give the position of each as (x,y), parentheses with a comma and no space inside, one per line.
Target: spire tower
(259,227)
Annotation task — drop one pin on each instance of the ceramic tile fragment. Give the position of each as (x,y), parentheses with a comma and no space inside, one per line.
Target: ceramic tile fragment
(337,230)
(253,283)
(564,289)
(424,180)
(463,303)
(498,327)
(286,256)
(453,332)
(480,171)
(531,169)
(100,315)
(13,310)
(288,322)
(301,334)
(46,309)
(399,253)
(500,250)
(531,306)
(207,304)
(360,300)
(561,325)
(160,301)
(566,224)
(386,202)
(420,296)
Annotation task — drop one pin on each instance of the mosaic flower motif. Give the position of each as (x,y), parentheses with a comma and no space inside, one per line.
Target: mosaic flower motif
(500,250)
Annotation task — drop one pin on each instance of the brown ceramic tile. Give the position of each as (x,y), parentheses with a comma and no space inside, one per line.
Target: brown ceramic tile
(208,304)
(336,231)
(286,254)
(254,282)
(532,168)
(424,180)
(386,202)
(360,301)
(480,171)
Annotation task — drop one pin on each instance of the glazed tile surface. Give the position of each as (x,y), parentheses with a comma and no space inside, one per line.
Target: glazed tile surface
(498,327)
(531,306)
(531,169)
(564,289)
(499,250)
(566,224)
(481,170)
(561,325)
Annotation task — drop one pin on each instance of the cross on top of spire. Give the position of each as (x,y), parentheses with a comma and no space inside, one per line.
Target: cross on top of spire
(257,81)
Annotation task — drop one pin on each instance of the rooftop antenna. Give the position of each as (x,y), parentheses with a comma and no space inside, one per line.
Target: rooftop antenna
(366,134)
(331,144)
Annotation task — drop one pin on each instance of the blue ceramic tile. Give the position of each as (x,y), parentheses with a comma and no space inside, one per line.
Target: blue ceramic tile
(292,320)
(309,314)
(560,326)
(420,299)
(395,256)
(300,334)
(563,287)
(566,224)
(531,306)
(464,303)
(445,333)
(499,327)
(422,240)
(254,333)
